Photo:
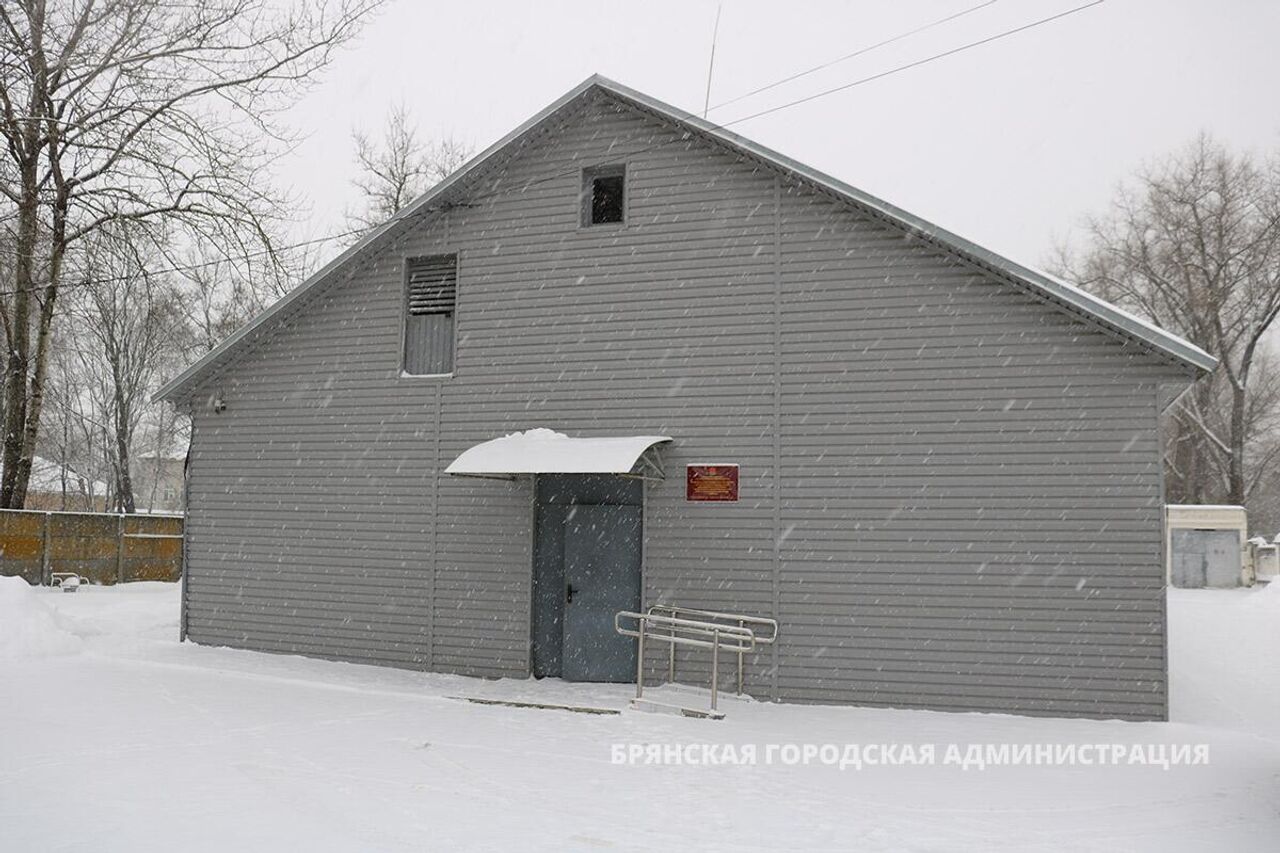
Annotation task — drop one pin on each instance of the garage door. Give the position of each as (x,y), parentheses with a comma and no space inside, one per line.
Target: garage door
(1203,558)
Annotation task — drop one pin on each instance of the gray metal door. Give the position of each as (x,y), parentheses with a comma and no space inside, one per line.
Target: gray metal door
(1205,558)
(601,576)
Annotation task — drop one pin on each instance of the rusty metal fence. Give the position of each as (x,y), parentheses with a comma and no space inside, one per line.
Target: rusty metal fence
(104,547)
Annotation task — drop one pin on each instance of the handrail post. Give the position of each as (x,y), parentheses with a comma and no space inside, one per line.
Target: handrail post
(671,658)
(741,624)
(640,660)
(715,666)
(687,626)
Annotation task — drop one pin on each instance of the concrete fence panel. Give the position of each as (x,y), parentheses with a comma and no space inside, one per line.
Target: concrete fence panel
(106,548)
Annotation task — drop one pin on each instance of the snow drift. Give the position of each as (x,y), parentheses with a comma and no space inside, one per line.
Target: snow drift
(260,752)
(28,627)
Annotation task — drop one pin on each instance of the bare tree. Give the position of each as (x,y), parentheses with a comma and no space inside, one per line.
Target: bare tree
(1195,247)
(1263,452)
(399,168)
(114,341)
(73,434)
(127,322)
(162,432)
(135,111)
(64,441)
(222,292)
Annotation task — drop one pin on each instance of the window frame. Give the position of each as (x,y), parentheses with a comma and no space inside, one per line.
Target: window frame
(405,261)
(586,194)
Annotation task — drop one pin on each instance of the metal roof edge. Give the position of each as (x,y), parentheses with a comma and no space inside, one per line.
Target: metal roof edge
(1059,290)
(173,388)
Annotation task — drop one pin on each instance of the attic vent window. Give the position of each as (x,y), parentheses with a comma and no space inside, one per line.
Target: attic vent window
(431,297)
(603,194)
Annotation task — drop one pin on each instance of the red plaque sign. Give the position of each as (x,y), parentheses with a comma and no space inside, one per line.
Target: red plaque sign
(711,483)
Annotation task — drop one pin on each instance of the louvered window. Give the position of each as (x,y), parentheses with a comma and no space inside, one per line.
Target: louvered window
(431,298)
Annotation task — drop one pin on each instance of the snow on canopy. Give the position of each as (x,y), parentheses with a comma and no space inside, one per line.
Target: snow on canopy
(545,451)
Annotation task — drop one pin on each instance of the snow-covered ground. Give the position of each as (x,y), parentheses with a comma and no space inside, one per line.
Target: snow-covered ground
(113,736)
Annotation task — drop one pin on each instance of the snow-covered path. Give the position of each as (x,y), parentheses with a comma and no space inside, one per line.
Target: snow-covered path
(116,737)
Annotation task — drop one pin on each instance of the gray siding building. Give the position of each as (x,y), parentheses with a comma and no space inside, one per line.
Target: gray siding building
(948,465)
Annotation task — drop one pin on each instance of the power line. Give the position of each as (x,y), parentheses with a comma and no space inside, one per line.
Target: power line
(711,66)
(178,268)
(569,172)
(859,52)
(919,62)
(693,114)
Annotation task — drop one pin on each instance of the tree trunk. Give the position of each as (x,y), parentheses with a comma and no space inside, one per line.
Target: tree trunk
(63,461)
(1235,475)
(124,479)
(13,484)
(34,402)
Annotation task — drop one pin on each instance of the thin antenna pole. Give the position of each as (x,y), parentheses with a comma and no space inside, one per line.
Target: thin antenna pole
(711,66)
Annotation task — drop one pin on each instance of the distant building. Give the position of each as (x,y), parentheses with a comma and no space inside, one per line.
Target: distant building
(54,486)
(1205,546)
(1265,558)
(158,483)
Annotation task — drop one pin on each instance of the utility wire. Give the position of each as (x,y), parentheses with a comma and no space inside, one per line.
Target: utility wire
(711,66)
(577,169)
(555,176)
(66,285)
(919,62)
(859,52)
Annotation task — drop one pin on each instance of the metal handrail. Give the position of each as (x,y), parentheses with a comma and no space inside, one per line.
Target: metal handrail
(684,632)
(715,616)
(670,624)
(687,632)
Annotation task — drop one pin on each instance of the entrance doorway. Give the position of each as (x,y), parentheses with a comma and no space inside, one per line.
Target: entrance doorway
(586,568)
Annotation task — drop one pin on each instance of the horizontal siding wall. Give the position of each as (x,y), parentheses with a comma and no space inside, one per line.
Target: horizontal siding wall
(972,492)
(968,509)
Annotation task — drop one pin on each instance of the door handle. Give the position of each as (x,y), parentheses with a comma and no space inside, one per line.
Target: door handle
(568,593)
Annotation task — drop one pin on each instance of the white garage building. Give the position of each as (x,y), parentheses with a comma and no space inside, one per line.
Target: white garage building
(1205,545)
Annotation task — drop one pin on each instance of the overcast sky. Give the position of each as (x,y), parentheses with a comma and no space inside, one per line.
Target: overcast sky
(1008,144)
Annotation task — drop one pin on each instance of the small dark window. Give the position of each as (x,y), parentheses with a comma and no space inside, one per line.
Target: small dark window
(431,296)
(603,195)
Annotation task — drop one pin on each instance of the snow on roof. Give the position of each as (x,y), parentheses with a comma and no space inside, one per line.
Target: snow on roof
(545,451)
(1060,292)
(46,478)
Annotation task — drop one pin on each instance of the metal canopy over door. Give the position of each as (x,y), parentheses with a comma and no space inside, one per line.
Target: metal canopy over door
(586,569)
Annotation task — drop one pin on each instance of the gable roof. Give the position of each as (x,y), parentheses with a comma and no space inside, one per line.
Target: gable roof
(1068,296)
(47,475)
